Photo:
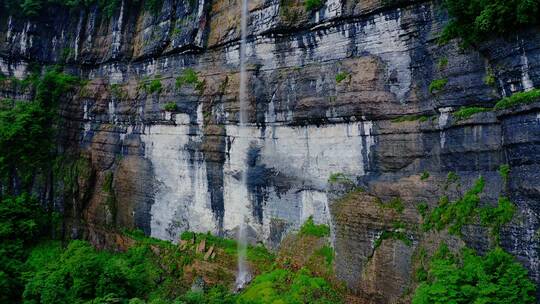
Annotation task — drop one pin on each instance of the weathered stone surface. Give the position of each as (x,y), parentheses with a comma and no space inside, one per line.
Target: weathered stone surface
(182,170)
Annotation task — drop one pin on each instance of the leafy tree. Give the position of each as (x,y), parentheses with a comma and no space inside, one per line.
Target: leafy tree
(81,274)
(22,220)
(475,20)
(25,142)
(495,278)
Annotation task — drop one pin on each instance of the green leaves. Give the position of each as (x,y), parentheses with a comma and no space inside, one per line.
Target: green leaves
(455,214)
(82,273)
(284,286)
(310,228)
(22,221)
(476,20)
(495,278)
(518,98)
(27,128)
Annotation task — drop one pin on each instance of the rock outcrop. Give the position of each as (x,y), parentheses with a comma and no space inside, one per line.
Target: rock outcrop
(344,89)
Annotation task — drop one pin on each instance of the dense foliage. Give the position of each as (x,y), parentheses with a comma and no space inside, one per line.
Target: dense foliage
(518,98)
(22,220)
(80,273)
(34,8)
(466,112)
(27,131)
(27,145)
(495,278)
(151,272)
(476,20)
(284,286)
(310,228)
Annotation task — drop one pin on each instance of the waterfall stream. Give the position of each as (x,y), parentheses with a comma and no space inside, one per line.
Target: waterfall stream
(243,276)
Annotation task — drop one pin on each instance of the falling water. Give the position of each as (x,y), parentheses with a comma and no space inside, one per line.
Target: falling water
(243,275)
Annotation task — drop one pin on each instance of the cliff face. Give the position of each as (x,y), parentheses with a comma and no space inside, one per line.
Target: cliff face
(326,90)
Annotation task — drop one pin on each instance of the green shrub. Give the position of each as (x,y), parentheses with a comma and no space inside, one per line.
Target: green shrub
(476,20)
(81,273)
(422,208)
(470,278)
(341,76)
(395,203)
(504,172)
(328,253)
(455,214)
(424,175)
(170,107)
(490,79)
(465,210)
(312,5)
(190,77)
(310,228)
(152,86)
(466,112)
(443,63)
(22,222)
(284,286)
(437,85)
(495,218)
(518,98)
(215,295)
(452,177)
(118,92)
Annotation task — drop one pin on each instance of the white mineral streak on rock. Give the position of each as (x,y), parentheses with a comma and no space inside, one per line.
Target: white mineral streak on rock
(532,255)
(78,35)
(87,123)
(15,69)
(90,24)
(24,41)
(526,81)
(116,76)
(181,198)
(381,36)
(112,111)
(9,29)
(200,32)
(117,31)
(85,110)
(333,8)
(443,120)
(305,155)
(264,19)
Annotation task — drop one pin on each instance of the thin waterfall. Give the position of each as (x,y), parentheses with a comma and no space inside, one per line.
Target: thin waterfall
(243,275)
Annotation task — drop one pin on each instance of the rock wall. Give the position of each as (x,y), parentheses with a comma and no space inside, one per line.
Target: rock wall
(182,170)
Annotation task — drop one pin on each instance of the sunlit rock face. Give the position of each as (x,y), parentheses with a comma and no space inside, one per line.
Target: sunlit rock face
(326,90)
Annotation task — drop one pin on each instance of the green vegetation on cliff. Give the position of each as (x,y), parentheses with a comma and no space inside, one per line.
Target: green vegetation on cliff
(200,269)
(518,98)
(284,286)
(477,20)
(466,112)
(310,228)
(466,277)
(27,132)
(494,278)
(155,271)
(34,8)
(22,221)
